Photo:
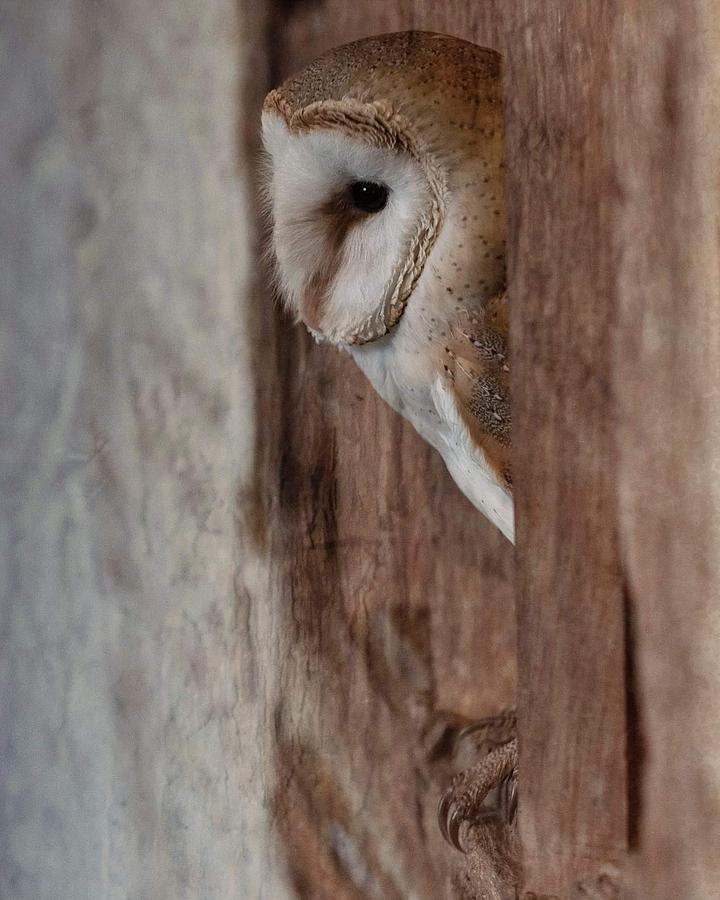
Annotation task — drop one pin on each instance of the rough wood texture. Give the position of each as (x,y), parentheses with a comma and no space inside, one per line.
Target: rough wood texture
(561,189)
(134,742)
(613,165)
(666,104)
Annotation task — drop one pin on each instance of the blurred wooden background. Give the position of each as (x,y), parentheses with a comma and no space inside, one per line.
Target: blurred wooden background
(236,627)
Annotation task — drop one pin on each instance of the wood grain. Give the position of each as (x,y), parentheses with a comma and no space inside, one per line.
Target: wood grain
(571,630)
(133,690)
(665,102)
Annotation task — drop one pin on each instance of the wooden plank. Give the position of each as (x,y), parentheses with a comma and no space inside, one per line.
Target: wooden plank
(666,101)
(132,712)
(561,191)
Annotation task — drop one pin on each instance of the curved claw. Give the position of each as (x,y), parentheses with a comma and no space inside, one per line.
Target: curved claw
(488,791)
(453,828)
(513,798)
(450,820)
(444,810)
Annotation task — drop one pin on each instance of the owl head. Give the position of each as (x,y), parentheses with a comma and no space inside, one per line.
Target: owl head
(377,154)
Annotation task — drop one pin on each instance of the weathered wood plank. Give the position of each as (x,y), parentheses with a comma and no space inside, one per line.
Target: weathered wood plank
(561,191)
(666,105)
(132,711)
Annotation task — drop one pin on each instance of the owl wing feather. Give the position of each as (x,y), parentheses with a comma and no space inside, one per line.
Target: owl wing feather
(476,364)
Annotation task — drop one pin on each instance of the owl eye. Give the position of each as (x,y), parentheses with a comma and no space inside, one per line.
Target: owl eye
(368,196)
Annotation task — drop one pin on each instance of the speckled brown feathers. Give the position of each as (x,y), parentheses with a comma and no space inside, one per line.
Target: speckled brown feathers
(476,361)
(406,64)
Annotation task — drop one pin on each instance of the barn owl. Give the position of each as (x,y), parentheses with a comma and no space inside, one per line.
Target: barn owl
(385,189)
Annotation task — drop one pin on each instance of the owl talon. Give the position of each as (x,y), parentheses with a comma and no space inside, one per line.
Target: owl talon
(450,821)
(443,812)
(510,796)
(466,801)
(452,815)
(454,827)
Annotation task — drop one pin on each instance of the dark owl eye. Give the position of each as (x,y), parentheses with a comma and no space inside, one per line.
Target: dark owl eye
(368,196)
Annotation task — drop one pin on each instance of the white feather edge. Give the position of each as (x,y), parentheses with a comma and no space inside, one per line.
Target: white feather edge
(468,465)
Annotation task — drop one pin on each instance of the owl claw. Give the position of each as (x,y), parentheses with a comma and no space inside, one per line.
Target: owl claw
(452,814)
(464,803)
(443,812)
(454,826)
(450,819)
(510,796)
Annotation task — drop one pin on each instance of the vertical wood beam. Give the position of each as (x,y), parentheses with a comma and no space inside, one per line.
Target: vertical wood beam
(137,656)
(665,99)
(573,813)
